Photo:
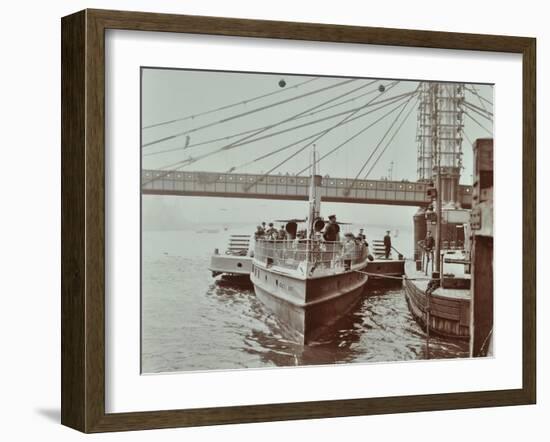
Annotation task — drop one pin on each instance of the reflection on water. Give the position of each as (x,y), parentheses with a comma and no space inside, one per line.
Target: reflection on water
(192,322)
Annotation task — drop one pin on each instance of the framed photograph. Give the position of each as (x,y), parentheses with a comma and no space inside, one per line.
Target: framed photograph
(271,220)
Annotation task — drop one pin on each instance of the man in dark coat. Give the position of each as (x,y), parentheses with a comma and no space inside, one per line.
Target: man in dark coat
(259,233)
(429,242)
(271,232)
(387,244)
(332,229)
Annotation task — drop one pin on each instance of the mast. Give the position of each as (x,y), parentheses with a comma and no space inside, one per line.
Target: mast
(437,148)
(314,194)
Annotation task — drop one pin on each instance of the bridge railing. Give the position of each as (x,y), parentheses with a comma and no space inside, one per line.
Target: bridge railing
(291,254)
(291,187)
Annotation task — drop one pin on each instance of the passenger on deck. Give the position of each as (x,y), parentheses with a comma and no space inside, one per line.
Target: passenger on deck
(361,237)
(349,246)
(387,244)
(271,232)
(332,230)
(429,244)
(281,234)
(259,233)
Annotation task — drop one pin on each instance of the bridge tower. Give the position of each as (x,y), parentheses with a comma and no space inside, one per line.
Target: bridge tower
(439,160)
(439,135)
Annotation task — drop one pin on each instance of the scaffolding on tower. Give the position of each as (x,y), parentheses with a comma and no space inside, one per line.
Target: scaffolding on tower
(440,126)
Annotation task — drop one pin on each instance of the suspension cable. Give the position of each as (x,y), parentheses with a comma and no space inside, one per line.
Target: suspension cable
(295,143)
(391,139)
(312,142)
(474,91)
(242,141)
(243,114)
(330,152)
(380,142)
(189,160)
(467,137)
(478,123)
(228,137)
(479,111)
(229,106)
(235,144)
(340,103)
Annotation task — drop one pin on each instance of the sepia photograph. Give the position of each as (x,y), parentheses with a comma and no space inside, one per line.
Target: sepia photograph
(297,220)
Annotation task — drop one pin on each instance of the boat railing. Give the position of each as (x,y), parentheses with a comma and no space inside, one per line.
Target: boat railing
(292,253)
(427,255)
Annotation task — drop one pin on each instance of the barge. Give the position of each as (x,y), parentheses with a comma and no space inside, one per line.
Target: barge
(439,298)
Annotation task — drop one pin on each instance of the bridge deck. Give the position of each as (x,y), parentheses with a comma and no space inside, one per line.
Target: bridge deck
(287,187)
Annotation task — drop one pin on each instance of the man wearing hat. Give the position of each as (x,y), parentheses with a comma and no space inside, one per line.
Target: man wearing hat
(259,233)
(332,229)
(387,244)
(349,245)
(271,232)
(361,237)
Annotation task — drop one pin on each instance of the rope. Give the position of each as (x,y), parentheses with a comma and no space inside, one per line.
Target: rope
(401,278)
(228,106)
(484,349)
(243,114)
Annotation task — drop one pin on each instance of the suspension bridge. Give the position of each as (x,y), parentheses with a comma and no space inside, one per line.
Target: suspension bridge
(327,115)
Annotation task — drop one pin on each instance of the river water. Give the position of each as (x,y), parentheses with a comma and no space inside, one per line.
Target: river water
(192,322)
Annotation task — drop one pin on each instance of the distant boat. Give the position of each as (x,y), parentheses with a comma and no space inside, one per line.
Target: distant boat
(236,262)
(207,231)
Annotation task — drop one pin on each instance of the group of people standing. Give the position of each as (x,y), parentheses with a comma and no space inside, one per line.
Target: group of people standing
(270,232)
(329,233)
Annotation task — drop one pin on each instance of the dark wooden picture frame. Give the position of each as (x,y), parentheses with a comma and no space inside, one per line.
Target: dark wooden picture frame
(83,220)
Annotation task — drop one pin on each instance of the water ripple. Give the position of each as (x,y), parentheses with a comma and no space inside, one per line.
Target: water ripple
(189,322)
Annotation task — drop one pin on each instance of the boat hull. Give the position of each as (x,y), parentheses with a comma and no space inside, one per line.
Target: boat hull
(307,306)
(449,316)
(230,265)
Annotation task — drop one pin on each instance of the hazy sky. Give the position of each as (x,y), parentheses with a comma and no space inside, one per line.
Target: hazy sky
(171,94)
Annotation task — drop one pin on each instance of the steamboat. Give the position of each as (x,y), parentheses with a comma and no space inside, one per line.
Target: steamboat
(310,282)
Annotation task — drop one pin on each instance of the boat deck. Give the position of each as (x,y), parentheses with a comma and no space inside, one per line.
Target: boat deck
(423,280)
(446,310)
